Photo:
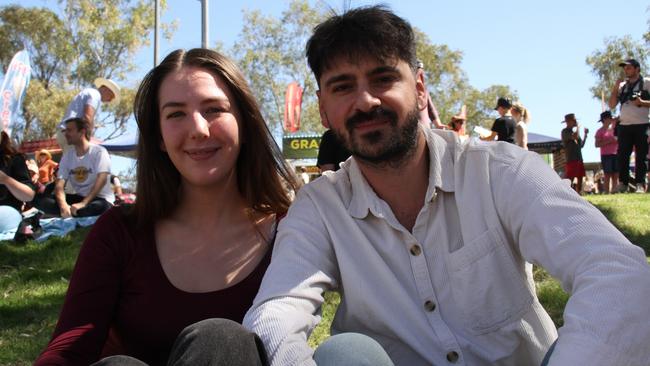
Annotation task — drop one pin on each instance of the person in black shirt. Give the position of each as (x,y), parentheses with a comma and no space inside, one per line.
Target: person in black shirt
(503,128)
(15,184)
(331,152)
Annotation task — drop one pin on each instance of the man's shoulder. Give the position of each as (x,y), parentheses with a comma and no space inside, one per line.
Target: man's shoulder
(95,148)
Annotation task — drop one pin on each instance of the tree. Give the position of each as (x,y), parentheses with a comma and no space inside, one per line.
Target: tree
(43,35)
(604,63)
(271,52)
(87,39)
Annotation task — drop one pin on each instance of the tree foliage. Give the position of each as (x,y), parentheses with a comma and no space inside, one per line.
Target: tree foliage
(271,52)
(69,49)
(604,63)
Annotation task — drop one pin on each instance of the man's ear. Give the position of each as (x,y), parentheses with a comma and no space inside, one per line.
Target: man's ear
(321,110)
(421,89)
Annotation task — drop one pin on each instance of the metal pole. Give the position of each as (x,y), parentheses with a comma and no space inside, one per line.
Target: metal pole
(155,34)
(204,23)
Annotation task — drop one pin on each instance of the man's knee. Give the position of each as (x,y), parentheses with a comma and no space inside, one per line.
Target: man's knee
(351,349)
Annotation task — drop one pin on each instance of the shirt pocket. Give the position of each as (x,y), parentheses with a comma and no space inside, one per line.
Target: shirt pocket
(486,285)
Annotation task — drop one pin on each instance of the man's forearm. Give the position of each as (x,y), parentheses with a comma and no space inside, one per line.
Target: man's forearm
(59,194)
(613,98)
(97,187)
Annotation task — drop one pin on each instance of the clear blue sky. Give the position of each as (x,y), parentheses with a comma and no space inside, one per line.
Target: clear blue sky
(536,47)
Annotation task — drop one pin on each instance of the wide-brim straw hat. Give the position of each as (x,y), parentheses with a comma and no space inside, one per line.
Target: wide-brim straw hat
(43,152)
(111,85)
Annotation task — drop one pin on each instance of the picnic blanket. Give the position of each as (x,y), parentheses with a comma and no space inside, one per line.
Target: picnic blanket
(55,227)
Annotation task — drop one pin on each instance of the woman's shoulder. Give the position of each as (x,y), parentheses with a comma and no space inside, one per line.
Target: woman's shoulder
(116,221)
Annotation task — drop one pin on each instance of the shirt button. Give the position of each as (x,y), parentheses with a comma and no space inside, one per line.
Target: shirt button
(452,356)
(415,250)
(429,305)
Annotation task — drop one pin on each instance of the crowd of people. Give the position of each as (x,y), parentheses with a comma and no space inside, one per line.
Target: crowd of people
(427,235)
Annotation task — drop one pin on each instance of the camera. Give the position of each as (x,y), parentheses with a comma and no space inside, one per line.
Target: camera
(636,95)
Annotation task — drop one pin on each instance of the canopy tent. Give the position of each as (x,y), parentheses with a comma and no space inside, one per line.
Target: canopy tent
(542,144)
(124,145)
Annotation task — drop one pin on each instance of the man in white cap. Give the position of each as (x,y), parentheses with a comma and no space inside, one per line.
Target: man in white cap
(86,104)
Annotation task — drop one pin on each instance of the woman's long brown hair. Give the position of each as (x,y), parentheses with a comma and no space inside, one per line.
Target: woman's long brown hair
(263,177)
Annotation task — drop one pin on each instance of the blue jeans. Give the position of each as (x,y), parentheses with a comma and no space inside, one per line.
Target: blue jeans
(351,349)
(210,342)
(9,218)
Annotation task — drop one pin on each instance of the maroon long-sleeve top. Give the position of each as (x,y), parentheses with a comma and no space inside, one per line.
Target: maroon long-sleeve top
(120,301)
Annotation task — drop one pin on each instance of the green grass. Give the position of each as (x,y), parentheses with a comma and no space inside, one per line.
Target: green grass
(630,213)
(33,281)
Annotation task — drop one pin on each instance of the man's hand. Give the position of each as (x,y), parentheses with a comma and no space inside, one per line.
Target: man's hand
(75,207)
(3,177)
(618,84)
(65,210)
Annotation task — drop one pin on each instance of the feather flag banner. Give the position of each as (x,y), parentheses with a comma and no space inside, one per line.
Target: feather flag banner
(14,86)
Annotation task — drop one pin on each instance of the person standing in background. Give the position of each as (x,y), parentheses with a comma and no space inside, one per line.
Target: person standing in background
(86,104)
(573,144)
(331,152)
(608,144)
(522,117)
(633,94)
(503,128)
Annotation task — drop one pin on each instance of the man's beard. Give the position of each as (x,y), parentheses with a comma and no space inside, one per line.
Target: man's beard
(382,147)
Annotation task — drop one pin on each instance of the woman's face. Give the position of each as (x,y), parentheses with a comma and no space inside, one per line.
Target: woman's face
(199,124)
(515,113)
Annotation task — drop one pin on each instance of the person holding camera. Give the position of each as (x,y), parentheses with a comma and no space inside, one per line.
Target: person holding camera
(633,94)
(573,145)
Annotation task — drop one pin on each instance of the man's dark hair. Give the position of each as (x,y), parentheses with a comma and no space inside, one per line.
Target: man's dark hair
(81,124)
(367,31)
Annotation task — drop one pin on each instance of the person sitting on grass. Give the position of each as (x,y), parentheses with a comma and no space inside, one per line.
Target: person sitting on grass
(16,186)
(85,167)
(169,279)
(430,241)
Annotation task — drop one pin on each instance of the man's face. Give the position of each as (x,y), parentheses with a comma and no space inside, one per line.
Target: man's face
(372,106)
(106,94)
(570,122)
(631,71)
(72,135)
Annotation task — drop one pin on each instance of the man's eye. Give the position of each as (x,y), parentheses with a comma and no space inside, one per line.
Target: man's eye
(341,88)
(386,79)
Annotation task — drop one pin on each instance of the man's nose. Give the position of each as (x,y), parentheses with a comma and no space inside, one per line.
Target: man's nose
(366,101)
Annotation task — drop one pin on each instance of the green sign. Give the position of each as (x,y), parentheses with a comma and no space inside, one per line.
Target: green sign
(300,147)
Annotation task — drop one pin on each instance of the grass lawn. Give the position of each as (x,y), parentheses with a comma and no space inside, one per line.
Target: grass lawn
(34,278)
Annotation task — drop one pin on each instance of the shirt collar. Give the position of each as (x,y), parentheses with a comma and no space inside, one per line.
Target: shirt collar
(441,146)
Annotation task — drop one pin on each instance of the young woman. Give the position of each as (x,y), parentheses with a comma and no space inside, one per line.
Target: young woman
(15,184)
(211,185)
(522,117)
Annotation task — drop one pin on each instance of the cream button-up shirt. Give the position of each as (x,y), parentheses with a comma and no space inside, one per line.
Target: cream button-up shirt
(458,288)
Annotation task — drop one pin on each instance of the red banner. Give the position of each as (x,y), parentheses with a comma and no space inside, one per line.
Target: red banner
(292,103)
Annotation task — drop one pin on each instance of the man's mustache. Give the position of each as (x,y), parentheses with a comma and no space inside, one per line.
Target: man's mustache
(375,113)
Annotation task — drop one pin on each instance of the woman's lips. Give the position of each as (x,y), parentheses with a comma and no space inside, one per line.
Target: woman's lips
(202,153)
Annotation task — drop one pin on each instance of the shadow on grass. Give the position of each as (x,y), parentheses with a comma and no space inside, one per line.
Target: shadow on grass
(642,239)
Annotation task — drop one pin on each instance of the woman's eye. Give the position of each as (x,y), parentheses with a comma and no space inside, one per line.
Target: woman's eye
(175,114)
(215,110)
